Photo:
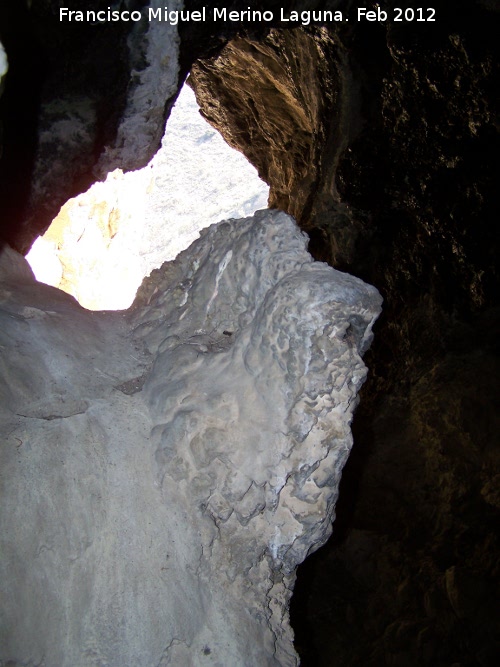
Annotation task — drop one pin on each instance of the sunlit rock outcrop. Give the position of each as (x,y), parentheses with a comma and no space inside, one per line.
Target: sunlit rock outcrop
(164,470)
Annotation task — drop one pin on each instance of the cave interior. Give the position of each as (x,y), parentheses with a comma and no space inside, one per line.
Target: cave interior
(382,140)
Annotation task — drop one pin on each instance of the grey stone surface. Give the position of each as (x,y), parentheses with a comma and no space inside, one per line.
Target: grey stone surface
(163,470)
(154,55)
(3,64)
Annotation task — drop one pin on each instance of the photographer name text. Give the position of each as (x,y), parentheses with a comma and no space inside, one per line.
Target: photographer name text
(224,15)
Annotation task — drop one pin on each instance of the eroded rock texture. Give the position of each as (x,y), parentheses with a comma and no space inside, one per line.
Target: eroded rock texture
(276,117)
(165,469)
(383,140)
(83,99)
(385,147)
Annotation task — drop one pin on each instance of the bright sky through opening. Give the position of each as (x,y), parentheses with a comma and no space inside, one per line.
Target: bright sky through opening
(103,242)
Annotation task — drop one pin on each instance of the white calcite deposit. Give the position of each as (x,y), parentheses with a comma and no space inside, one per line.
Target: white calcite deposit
(165,469)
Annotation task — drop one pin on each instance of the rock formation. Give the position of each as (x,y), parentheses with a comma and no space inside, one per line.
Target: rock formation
(3,65)
(382,141)
(386,152)
(165,469)
(102,106)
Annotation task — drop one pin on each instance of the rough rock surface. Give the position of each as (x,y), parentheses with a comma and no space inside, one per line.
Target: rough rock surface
(3,64)
(101,106)
(401,125)
(165,469)
(277,117)
(410,204)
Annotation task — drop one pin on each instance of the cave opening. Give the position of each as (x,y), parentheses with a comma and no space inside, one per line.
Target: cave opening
(104,242)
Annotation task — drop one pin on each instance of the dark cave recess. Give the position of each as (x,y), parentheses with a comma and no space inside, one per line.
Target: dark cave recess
(383,141)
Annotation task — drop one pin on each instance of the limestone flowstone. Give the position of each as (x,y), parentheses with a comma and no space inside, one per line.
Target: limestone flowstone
(165,469)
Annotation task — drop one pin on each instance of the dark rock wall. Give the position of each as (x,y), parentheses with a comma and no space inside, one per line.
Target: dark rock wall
(390,127)
(53,63)
(80,100)
(382,140)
